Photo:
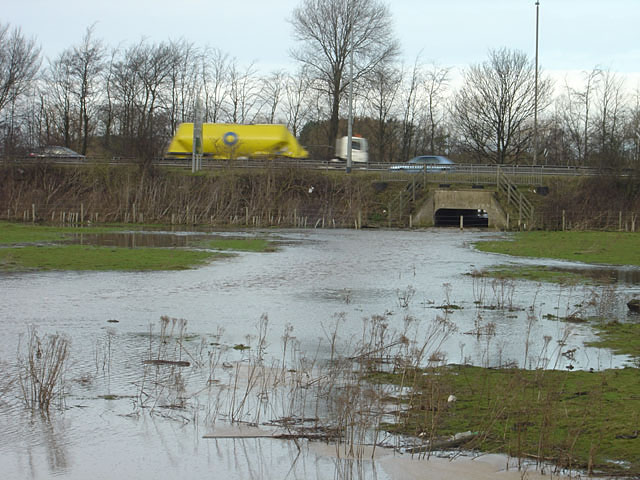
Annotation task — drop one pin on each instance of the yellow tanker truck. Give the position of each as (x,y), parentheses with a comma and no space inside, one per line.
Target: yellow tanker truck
(231,141)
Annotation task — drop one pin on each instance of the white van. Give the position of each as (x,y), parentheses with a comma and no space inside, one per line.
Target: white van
(359,149)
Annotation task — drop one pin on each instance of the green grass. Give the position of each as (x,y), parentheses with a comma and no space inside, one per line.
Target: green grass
(574,419)
(25,252)
(616,248)
(536,273)
(19,233)
(621,338)
(238,244)
(82,257)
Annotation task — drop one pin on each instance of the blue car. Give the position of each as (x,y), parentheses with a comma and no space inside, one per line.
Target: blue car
(429,163)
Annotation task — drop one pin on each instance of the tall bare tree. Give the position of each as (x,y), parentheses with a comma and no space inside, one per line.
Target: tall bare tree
(87,62)
(496,104)
(19,63)
(272,92)
(183,82)
(328,31)
(436,82)
(411,111)
(215,81)
(243,93)
(384,83)
(297,101)
(59,91)
(610,114)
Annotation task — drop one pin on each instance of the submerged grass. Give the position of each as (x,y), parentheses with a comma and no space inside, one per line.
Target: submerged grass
(536,273)
(239,244)
(19,233)
(584,420)
(20,254)
(617,248)
(82,257)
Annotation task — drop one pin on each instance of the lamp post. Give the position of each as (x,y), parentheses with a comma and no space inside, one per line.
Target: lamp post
(350,120)
(535,111)
(196,155)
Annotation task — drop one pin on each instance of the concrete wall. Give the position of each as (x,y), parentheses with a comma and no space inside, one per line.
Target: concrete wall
(464,200)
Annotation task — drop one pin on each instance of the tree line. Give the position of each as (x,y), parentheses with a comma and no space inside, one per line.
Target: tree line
(128,100)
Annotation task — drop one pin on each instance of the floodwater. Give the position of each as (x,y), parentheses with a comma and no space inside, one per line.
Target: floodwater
(121,419)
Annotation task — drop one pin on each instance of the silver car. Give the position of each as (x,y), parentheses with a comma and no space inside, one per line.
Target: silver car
(429,163)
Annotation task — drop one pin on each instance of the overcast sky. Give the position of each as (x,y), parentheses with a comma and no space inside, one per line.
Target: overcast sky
(575,35)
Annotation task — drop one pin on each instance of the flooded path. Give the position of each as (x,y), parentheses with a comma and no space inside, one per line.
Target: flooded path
(317,280)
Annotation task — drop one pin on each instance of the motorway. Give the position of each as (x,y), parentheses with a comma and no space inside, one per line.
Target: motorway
(461,173)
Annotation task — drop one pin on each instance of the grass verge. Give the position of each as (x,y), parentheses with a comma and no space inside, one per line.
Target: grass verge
(581,420)
(621,338)
(82,257)
(18,233)
(616,248)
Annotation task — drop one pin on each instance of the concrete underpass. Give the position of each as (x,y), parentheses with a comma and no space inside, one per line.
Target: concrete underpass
(477,208)
(455,217)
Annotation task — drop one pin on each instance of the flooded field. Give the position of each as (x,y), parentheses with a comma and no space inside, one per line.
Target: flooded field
(262,317)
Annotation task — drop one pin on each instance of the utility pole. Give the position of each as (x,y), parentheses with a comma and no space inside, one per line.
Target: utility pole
(535,111)
(196,155)
(350,120)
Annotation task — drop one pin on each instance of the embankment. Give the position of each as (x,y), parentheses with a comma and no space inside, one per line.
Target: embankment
(265,197)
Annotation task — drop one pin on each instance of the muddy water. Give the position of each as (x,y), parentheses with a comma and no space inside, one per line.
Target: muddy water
(317,277)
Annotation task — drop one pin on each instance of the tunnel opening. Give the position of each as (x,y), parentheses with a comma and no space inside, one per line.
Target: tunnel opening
(450,217)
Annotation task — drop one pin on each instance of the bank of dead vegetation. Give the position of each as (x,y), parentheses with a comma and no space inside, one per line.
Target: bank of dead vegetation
(233,197)
(599,202)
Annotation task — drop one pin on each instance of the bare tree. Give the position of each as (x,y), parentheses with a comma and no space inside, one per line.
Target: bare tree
(243,94)
(592,79)
(435,84)
(183,82)
(19,64)
(86,65)
(411,111)
(107,108)
(273,88)
(297,102)
(633,129)
(215,79)
(328,31)
(156,63)
(496,104)
(610,116)
(384,84)
(59,92)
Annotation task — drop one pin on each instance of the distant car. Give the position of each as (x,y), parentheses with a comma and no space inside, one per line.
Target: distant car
(57,152)
(429,163)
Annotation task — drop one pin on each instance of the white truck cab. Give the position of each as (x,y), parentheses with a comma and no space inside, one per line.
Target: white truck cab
(359,149)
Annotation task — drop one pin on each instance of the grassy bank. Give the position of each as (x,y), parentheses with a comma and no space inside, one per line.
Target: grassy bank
(535,273)
(82,257)
(583,420)
(621,338)
(22,250)
(614,248)
(18,233)
(217,197)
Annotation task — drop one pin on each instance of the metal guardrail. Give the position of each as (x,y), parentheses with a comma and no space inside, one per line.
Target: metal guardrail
(460,173)
(514,197)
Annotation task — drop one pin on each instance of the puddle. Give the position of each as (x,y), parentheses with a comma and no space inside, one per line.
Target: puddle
(607,274)
(135,239)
